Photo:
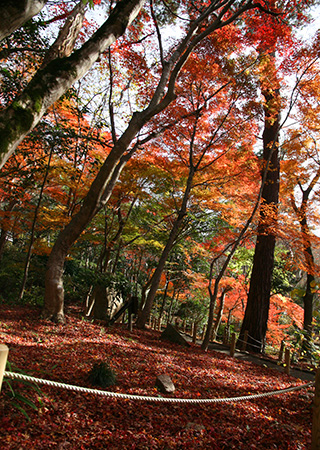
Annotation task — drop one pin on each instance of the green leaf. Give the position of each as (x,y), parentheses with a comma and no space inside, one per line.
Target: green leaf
(26,401)
(23,411)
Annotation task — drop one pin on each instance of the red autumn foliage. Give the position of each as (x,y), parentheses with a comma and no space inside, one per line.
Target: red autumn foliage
(70,420)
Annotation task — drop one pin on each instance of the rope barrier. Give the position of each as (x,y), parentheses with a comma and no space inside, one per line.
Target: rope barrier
(117,395)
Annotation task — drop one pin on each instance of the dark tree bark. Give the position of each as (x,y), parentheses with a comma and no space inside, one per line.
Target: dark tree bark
(257,310)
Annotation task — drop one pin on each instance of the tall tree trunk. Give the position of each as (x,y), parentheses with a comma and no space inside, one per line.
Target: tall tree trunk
(257,310)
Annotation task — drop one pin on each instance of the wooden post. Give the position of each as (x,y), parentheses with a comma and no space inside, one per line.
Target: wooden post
(226,335)
(287,361)
(194,336)
(245,340)
(3,361)
(130,321)
(281,352)
(233,344)
(315,437)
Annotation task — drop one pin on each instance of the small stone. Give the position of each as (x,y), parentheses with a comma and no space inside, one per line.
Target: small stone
(197,427)
(165,384)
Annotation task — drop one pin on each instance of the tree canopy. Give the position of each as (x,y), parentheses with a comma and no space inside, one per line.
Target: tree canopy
(150,147)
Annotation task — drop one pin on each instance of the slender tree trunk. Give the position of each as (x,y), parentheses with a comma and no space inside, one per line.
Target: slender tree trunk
(33,228)
(301,212)
(5,230)
(257,310)
(219,314)
(155,281)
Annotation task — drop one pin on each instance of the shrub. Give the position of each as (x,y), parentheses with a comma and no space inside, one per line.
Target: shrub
(102,375)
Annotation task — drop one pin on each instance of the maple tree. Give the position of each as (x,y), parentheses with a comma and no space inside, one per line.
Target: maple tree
(128,143)
(47,185)
(158,92)
(51,82)
(301,175)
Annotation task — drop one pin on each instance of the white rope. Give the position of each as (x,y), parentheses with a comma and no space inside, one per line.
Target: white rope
(20,376)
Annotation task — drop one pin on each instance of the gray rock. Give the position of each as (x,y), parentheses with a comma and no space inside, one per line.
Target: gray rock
(172,334)
(165,384)
(197,427)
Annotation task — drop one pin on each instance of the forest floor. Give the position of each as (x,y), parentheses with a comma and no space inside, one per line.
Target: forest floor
(72,420)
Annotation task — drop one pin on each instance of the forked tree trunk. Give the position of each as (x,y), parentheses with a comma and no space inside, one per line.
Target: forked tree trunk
(52,81)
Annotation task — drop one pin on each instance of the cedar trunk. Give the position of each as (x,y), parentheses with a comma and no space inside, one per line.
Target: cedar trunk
(257,310)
